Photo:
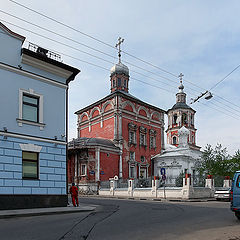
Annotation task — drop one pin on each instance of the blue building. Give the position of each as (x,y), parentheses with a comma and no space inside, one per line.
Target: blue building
(33,124)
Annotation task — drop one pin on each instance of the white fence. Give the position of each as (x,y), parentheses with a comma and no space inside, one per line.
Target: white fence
(185,192)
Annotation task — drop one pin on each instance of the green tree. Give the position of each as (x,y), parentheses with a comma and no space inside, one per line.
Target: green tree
(217,162)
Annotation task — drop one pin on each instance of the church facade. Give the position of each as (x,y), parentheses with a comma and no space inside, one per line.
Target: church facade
(134,130)
(181,152)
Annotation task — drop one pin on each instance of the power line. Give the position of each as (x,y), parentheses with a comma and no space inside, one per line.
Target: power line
(92,56)
(100,41)
(225,77)
(63,24)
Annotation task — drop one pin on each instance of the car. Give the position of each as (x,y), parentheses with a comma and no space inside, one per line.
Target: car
(235,195)
(222,193)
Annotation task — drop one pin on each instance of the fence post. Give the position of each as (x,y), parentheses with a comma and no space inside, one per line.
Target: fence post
(130,187)
(113,185)
(227,182)
(155,184)
(209,183)
(187,189)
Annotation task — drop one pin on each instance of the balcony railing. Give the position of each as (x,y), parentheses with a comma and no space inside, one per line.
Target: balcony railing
(44,52)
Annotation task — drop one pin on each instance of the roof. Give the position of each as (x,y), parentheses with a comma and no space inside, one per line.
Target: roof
(121,93)
(41,57)
(92,142)
(11,33)
(179,105)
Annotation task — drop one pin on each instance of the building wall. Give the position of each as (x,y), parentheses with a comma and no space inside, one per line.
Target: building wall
(52,168)
(53,99)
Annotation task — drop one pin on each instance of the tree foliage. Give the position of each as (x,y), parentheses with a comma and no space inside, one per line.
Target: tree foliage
(217,162)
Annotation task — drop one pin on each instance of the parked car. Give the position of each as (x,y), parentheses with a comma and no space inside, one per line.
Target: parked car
(235,195)
(222,193)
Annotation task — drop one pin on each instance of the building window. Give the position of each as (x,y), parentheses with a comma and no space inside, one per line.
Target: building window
(132,156)
(119,82)
(83,169)
(132,172)
(29,165)
(132,133)
(143,132)
(142,139)
(175,119)
(125,83)
(152,138)
(184,118)
(174,140)
(30,108)
(132,137)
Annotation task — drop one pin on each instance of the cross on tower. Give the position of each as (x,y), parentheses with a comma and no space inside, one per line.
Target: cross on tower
(120,41)
(180,77)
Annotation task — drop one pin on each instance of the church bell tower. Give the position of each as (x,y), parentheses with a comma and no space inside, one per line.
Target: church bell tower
(181,115)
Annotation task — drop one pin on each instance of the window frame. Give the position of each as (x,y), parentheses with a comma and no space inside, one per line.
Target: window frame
(33,94)
(85,166)
(30,160)
(30,104)
(238,182)
(131,153)
(174,137)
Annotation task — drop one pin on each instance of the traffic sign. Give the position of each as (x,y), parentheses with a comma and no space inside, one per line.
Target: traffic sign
(163,171)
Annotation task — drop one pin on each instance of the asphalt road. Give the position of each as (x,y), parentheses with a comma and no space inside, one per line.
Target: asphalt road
(129,219)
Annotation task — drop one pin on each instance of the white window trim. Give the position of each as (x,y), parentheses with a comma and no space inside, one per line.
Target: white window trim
(22,121)
(29,147)
(84,174)
(134,171)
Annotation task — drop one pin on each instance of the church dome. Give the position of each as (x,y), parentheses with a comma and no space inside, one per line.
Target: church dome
(120,69)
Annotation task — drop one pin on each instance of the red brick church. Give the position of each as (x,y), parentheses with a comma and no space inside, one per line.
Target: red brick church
(117,135)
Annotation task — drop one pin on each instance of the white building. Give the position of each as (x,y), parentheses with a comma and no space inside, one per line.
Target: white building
(181,152)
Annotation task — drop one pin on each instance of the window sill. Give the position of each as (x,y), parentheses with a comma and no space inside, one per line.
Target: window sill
(21,122)
(26,178)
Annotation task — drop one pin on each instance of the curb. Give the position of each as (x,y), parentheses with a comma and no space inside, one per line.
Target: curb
(42,211)
(150,199)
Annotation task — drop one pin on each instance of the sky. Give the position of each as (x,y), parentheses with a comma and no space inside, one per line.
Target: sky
(197,38)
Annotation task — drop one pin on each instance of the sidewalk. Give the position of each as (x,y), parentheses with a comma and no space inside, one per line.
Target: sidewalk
(45,211)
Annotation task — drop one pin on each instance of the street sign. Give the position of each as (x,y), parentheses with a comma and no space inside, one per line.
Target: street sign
(91,172)
(163,171)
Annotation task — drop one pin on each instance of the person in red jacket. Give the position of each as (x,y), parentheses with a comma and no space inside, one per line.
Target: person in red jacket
(74,194)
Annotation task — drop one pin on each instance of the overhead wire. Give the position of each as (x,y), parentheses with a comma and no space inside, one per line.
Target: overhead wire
(92,56)
(100,41)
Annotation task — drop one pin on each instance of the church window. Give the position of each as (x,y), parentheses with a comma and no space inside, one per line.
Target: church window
(174,140)
(83,169)
(132,172)
(125,83)
(142,139)
(143,133)
(131,137)
(132,133)
(192,138)
(132,156)
(119,82)
(175,119)
(114,83)
(152,138)
(184,118)
(142,159)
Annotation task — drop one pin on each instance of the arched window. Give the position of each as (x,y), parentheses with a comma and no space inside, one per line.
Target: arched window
(184,118)
(174,140)
(175,119)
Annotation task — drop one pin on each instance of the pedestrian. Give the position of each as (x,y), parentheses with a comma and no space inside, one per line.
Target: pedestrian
(74,194)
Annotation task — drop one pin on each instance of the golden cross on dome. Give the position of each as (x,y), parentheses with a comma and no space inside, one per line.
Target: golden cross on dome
(120,41)
(180,77)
